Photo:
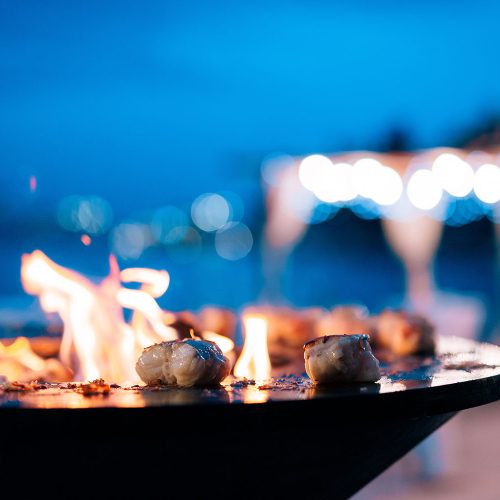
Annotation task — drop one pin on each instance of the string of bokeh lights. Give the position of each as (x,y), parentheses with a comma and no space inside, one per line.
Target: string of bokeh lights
(445,186)
(180,233)
(456,190)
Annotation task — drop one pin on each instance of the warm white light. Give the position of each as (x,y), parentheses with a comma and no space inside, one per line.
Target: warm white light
(366,176)
(377,182)
(312,171)
(346,188)
(487,183)
(424,190)
(387,187)
(327,188)
(210,212)
(454,174)
(335,183)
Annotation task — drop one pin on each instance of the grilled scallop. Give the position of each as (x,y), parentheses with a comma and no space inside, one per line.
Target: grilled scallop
(345,320)
(184,363)
(341,358)
(403,333)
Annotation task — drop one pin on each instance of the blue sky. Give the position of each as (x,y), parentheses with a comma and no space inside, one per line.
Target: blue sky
(154,102)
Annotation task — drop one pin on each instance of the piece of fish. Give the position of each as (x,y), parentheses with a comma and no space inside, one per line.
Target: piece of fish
(403,333)
(184,363)
(341,358)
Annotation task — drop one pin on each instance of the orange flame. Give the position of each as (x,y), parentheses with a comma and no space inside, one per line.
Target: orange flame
(19,362)
(254,360)
(96,340)
(226,344)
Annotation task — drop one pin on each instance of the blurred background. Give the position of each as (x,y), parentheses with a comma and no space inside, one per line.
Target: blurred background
(183,137)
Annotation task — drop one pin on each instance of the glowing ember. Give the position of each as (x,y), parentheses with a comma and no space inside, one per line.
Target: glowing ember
(254,359)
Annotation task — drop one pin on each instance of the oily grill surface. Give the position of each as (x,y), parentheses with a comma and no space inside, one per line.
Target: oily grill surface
(462,374)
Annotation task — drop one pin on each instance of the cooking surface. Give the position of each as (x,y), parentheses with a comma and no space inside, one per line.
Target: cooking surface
(463,374)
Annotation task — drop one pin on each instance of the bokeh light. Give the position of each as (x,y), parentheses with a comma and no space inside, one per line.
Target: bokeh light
(365,176)
(129,240)
(323,212)
(335,183)
(210,212)
(387,187)
(314,171)
(377,182)
(461,211)
(346,189)
(454,174)
(33,183)
(234,241)
(169,224)
(86,239)
(365,208)
(88,214)
(424,190)
(487,183)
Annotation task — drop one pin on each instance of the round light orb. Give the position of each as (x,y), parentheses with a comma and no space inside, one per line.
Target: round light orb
(346,187)
(387,187)
(234,241)
(336,184)
(313,171)
(454,174)
(210,212)
(129,240)
(366,176)
(487,183)
(424,190)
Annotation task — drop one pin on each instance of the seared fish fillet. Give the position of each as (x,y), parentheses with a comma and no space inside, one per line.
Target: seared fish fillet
(183,363)
(341,358)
